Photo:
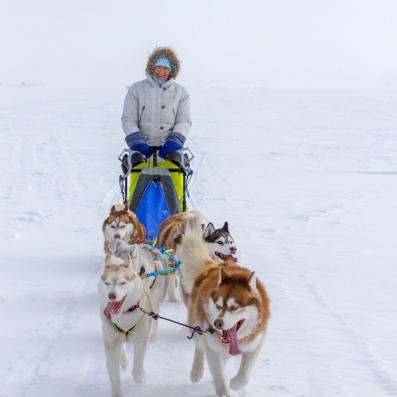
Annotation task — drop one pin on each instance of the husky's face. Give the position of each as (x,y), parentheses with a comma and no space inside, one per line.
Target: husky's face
(220,243)
(233,308)
(118,227)
(117,281)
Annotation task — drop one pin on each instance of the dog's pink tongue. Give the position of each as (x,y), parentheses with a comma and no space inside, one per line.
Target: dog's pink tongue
(231,259)
(231,338)
(108,309)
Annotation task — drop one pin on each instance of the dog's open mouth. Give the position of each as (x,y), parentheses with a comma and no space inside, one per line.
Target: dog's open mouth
(230,336)
(231,259)
(113,308)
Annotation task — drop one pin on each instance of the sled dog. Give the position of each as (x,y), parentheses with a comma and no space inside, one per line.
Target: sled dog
(122,224)
(220,243)
(122,293)
(144,260)
(231,302)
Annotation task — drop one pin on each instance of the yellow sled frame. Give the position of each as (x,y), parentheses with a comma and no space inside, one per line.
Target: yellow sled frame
(177,177)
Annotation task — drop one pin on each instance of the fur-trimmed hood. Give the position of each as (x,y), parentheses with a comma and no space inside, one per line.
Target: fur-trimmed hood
(170,54)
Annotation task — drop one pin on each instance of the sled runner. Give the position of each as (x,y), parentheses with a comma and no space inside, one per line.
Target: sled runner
(154,190)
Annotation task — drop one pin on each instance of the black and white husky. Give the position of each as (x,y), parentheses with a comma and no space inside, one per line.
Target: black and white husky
(220,243)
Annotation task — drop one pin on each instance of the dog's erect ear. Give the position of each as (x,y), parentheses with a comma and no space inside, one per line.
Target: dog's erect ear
(107,260)
(252,283)
(113,209)
(125,207)
(208,230)
(134,251)
(226,227)
(125,260)
(111,260)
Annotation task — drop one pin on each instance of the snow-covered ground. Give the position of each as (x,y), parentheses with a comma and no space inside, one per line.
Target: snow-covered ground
(308,183)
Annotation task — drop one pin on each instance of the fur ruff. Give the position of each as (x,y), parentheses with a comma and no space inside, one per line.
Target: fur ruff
(170,54)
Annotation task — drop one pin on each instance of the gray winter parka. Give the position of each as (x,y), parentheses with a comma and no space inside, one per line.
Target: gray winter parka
(156,110)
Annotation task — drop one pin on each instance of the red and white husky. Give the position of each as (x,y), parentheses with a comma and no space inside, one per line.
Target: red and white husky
(122,225)
(230,300)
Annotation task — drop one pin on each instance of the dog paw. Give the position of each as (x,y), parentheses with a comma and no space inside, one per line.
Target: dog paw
(196,374)
(222,390)
(138,376)
(238,382)
(224,393)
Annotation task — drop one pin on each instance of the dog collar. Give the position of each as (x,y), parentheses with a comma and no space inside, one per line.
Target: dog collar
(133,308)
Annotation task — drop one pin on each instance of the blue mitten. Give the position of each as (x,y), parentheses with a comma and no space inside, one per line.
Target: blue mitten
(136,141)
(174,142)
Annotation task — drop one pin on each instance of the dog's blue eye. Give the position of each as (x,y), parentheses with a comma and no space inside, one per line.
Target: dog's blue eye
(220,242)
(122,227)
(106,283)
(113,227)
(123,283)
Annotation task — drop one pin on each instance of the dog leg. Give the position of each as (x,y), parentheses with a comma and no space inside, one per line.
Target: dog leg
(172,286)
(113,351)
(198,365)
(215,363)
(244,373)
(155,323)
(140,346)
(124,356)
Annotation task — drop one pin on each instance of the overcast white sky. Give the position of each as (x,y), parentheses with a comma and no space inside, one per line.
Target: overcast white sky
(275,44)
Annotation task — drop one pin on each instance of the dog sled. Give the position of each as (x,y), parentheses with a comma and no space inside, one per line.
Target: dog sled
(154,189)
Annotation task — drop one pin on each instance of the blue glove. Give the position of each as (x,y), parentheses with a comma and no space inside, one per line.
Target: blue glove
(174,142)
(136,141)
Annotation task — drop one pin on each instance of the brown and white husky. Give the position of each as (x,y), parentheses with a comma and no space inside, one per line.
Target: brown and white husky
(122,225)
(228,299)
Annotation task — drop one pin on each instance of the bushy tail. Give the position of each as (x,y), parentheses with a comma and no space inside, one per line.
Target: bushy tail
(192,251)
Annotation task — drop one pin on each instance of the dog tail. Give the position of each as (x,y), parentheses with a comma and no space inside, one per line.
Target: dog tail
(192,251)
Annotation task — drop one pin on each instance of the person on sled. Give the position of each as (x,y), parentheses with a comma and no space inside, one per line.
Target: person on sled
(156,111)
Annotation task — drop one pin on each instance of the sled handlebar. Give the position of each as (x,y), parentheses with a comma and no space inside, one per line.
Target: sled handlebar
(126,158)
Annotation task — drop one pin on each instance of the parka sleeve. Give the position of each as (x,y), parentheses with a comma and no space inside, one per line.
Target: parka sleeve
(129,118)
(183,120)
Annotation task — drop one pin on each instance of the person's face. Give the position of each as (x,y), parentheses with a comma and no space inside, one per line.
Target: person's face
(161,73)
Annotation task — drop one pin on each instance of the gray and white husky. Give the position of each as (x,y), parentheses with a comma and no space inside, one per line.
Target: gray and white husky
(144,259)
